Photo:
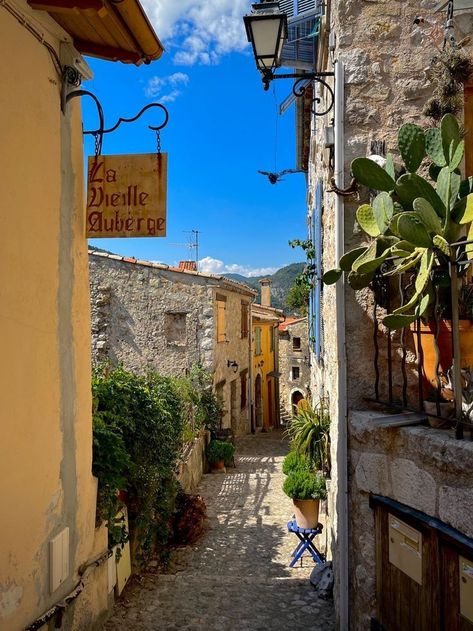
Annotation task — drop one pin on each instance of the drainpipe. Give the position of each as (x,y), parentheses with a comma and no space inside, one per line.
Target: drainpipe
(342,416)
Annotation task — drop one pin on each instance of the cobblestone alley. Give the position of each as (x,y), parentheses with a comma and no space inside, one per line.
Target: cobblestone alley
(237,575)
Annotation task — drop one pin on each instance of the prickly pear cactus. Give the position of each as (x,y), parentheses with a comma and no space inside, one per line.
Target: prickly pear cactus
(411,141)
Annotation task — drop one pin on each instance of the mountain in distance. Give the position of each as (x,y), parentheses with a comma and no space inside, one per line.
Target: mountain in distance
(283,280)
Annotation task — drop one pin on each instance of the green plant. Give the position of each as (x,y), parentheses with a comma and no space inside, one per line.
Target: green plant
(298,296)
(219,450)
(303,485)
(412,222)
(309,432)
(201,407)
(294,461)
(138,424)
(449,70)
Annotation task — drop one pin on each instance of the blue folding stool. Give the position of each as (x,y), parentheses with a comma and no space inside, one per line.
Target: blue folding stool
(306,537)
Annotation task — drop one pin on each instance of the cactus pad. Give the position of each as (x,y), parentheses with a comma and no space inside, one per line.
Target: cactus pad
(367,172)
(411,141)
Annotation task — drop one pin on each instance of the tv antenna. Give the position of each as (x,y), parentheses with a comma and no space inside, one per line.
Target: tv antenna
(192,244)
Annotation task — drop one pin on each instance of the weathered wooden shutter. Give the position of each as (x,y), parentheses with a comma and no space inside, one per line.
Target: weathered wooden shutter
(300,49)
(257,341)
(221,333)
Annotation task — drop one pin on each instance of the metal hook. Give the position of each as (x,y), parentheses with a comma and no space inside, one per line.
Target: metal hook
(100,131)
(134,118)
(300,88)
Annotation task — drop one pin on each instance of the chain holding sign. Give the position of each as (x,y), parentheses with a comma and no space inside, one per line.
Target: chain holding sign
(126,194)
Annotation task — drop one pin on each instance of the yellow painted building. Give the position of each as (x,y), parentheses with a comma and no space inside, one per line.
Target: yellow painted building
(48,538)
(265,375)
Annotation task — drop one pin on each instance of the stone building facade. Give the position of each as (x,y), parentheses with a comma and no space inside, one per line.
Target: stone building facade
(148,315)
(294,364)
(378,52)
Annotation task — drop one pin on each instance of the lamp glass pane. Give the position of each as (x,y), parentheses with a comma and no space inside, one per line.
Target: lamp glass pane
(266,40)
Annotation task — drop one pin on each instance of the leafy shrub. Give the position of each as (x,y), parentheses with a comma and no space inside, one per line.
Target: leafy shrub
(200,403)
(309,432)
(303,485)
(219,450)
(295,461)
(138,425)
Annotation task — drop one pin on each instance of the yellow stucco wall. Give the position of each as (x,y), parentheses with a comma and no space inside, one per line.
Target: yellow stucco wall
(46,445)
(264,363)
(235,348)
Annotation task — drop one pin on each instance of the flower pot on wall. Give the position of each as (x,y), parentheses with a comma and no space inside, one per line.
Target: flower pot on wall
(427,341)
(307,513)
(447,410)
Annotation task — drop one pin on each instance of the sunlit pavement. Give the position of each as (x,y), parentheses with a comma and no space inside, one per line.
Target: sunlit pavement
(237,576)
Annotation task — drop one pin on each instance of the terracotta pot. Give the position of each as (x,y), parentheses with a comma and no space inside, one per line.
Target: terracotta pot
(427,340)
(307,513)
(447,410)
(218,466)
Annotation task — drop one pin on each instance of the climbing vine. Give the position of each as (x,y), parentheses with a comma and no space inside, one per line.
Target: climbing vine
(299,294)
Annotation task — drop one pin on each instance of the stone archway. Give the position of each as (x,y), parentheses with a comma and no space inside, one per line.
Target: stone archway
(296,397)
(258,402)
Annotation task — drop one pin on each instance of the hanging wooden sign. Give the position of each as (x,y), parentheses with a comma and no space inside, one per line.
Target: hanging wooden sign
(126,195)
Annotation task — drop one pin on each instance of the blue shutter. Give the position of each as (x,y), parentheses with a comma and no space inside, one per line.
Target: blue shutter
(303,23)
(317,286)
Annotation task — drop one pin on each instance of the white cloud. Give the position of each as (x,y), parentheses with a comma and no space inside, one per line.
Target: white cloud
(209,265)
(200,30)
(157,85)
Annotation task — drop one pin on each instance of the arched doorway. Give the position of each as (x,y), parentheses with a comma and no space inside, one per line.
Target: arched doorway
(258,402)
(296,398)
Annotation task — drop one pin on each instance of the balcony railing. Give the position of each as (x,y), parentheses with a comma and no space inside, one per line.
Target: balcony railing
(404,377)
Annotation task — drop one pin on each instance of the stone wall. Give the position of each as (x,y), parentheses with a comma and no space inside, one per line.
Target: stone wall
(192,465)
(288,358)
(148,316)
(384,55)
(423,468)
(132,309)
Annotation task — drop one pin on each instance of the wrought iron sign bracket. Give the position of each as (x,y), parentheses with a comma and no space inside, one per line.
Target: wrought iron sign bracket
(73,78)
(300,86)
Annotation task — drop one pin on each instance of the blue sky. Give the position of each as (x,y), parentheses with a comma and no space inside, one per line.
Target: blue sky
(223,127)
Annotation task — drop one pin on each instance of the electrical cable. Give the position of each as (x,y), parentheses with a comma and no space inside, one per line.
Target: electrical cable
(35,32)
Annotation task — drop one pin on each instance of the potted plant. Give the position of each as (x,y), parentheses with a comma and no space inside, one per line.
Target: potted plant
(219,452)
(309,432)
(294,461)
(411,224)
(306,489)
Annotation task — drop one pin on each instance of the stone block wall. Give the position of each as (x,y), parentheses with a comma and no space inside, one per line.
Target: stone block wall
(423,468)
(288,358)
(133,308)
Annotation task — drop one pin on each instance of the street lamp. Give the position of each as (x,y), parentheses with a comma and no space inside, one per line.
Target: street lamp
(267,31)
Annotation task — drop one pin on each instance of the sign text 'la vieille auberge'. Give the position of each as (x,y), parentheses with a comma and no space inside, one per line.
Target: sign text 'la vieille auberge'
(126,196)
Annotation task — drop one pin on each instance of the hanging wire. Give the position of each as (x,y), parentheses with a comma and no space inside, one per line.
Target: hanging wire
(276,139)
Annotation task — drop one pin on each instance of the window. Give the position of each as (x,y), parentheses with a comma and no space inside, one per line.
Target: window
(296,344)
(258,350)
(175,328)
(296,371)
(243,389)
(244,319)
(221,319)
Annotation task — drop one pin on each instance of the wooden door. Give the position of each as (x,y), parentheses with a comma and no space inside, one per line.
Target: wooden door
(433,593)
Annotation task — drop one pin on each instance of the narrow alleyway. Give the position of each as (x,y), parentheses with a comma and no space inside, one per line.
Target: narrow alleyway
(237,575)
